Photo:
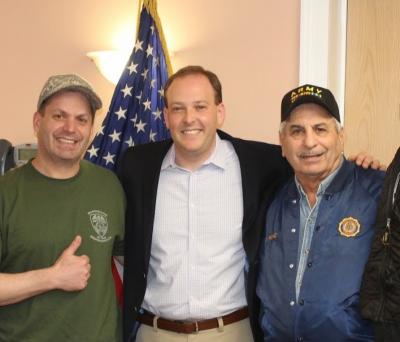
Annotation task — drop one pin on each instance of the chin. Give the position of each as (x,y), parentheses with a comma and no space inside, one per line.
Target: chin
(311,171)
(69,156)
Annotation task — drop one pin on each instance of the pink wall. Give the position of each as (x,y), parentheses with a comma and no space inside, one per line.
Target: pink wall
(252,45)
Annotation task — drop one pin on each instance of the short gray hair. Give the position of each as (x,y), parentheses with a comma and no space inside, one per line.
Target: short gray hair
(338,125)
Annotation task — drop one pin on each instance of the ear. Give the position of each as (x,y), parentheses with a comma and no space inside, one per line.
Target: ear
(220,114)
(281,137)
(37,118)
(342,138)
(166,117)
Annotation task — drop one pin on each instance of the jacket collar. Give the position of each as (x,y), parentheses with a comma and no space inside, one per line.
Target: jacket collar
(337,184)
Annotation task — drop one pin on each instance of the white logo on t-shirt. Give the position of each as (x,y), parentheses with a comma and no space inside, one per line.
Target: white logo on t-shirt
(98,219)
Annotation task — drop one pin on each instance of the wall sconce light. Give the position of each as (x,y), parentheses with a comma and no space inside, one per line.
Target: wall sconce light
(110,63)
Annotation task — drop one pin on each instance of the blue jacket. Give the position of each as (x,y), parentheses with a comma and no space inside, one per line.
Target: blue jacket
(327,307)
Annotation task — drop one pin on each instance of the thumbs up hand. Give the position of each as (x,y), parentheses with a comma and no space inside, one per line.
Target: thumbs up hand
(71,272)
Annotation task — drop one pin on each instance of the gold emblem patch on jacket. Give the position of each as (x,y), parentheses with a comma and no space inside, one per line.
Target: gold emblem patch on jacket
(349,227)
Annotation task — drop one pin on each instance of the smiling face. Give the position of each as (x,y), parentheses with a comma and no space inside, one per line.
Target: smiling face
(311,142)
(193,118)
(63,130)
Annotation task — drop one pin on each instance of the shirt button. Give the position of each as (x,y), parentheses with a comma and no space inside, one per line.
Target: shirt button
(292,303)
(317,228)
(293,230)
(301,301)
(294,201)
(309,264)
(144,275)
(291,266)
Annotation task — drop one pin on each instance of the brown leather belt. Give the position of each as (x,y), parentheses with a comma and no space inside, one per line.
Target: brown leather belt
(184,327)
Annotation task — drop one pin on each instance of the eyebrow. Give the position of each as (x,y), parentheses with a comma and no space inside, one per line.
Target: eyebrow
(301,125)
(181,103)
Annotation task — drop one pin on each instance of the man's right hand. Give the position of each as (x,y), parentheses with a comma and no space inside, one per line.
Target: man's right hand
(71,272)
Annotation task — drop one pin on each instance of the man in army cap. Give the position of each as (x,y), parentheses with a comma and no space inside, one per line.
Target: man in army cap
(318,229)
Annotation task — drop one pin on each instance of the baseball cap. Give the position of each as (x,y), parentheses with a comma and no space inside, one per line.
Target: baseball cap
(309,93)
(72,82)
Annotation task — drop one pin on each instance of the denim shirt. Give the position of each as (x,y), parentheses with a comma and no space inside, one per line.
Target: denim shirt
(308,216)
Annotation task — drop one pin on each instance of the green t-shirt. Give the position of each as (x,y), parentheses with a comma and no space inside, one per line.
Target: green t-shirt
(39,218)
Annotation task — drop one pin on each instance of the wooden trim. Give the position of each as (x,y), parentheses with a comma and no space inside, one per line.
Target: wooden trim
(323,46)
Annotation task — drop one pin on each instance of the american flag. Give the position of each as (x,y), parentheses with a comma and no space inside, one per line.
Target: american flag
(135,115)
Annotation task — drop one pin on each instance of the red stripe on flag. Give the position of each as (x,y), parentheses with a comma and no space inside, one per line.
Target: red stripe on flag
(117,282)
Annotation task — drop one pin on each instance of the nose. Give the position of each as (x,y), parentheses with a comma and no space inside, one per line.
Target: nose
(310,139)
(69,125)
(189,116)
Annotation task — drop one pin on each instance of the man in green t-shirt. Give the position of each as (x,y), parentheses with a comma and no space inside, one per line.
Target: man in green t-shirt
(61,221)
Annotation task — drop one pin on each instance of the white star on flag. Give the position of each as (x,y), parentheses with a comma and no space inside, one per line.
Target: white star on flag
(93,152)
(130,142)
(101,131)
(138,45)
(109,158)
(153,135)
(144,74)
(157,114)
(149,50)
(121,113)
(140,126)
(127,90)
(147,104)
(139,97)
(132,68)
(115,136)
(134,119)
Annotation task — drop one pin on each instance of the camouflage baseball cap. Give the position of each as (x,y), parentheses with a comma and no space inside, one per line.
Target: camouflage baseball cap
(72,82)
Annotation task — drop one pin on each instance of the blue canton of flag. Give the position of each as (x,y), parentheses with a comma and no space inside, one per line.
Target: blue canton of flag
(135,115)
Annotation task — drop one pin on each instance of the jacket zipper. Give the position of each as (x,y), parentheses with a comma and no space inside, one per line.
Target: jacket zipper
(385,242)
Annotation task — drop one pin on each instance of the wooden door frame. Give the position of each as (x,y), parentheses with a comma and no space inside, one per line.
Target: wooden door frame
(323,46)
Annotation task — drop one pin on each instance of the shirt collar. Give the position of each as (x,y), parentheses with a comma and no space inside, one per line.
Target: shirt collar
(217,157)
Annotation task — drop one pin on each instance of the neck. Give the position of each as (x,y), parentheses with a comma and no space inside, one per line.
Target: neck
(55,170)
(310,188)
(310,183)
(190,163)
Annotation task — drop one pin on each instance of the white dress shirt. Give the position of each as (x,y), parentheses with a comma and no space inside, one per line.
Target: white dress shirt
(197,257)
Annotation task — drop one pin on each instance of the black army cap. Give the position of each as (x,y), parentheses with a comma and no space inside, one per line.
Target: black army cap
(309,93)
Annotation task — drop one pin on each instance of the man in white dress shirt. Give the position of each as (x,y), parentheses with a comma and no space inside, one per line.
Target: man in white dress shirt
(191,232)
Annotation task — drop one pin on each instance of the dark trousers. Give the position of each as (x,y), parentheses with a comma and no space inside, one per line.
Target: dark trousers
(387,332)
